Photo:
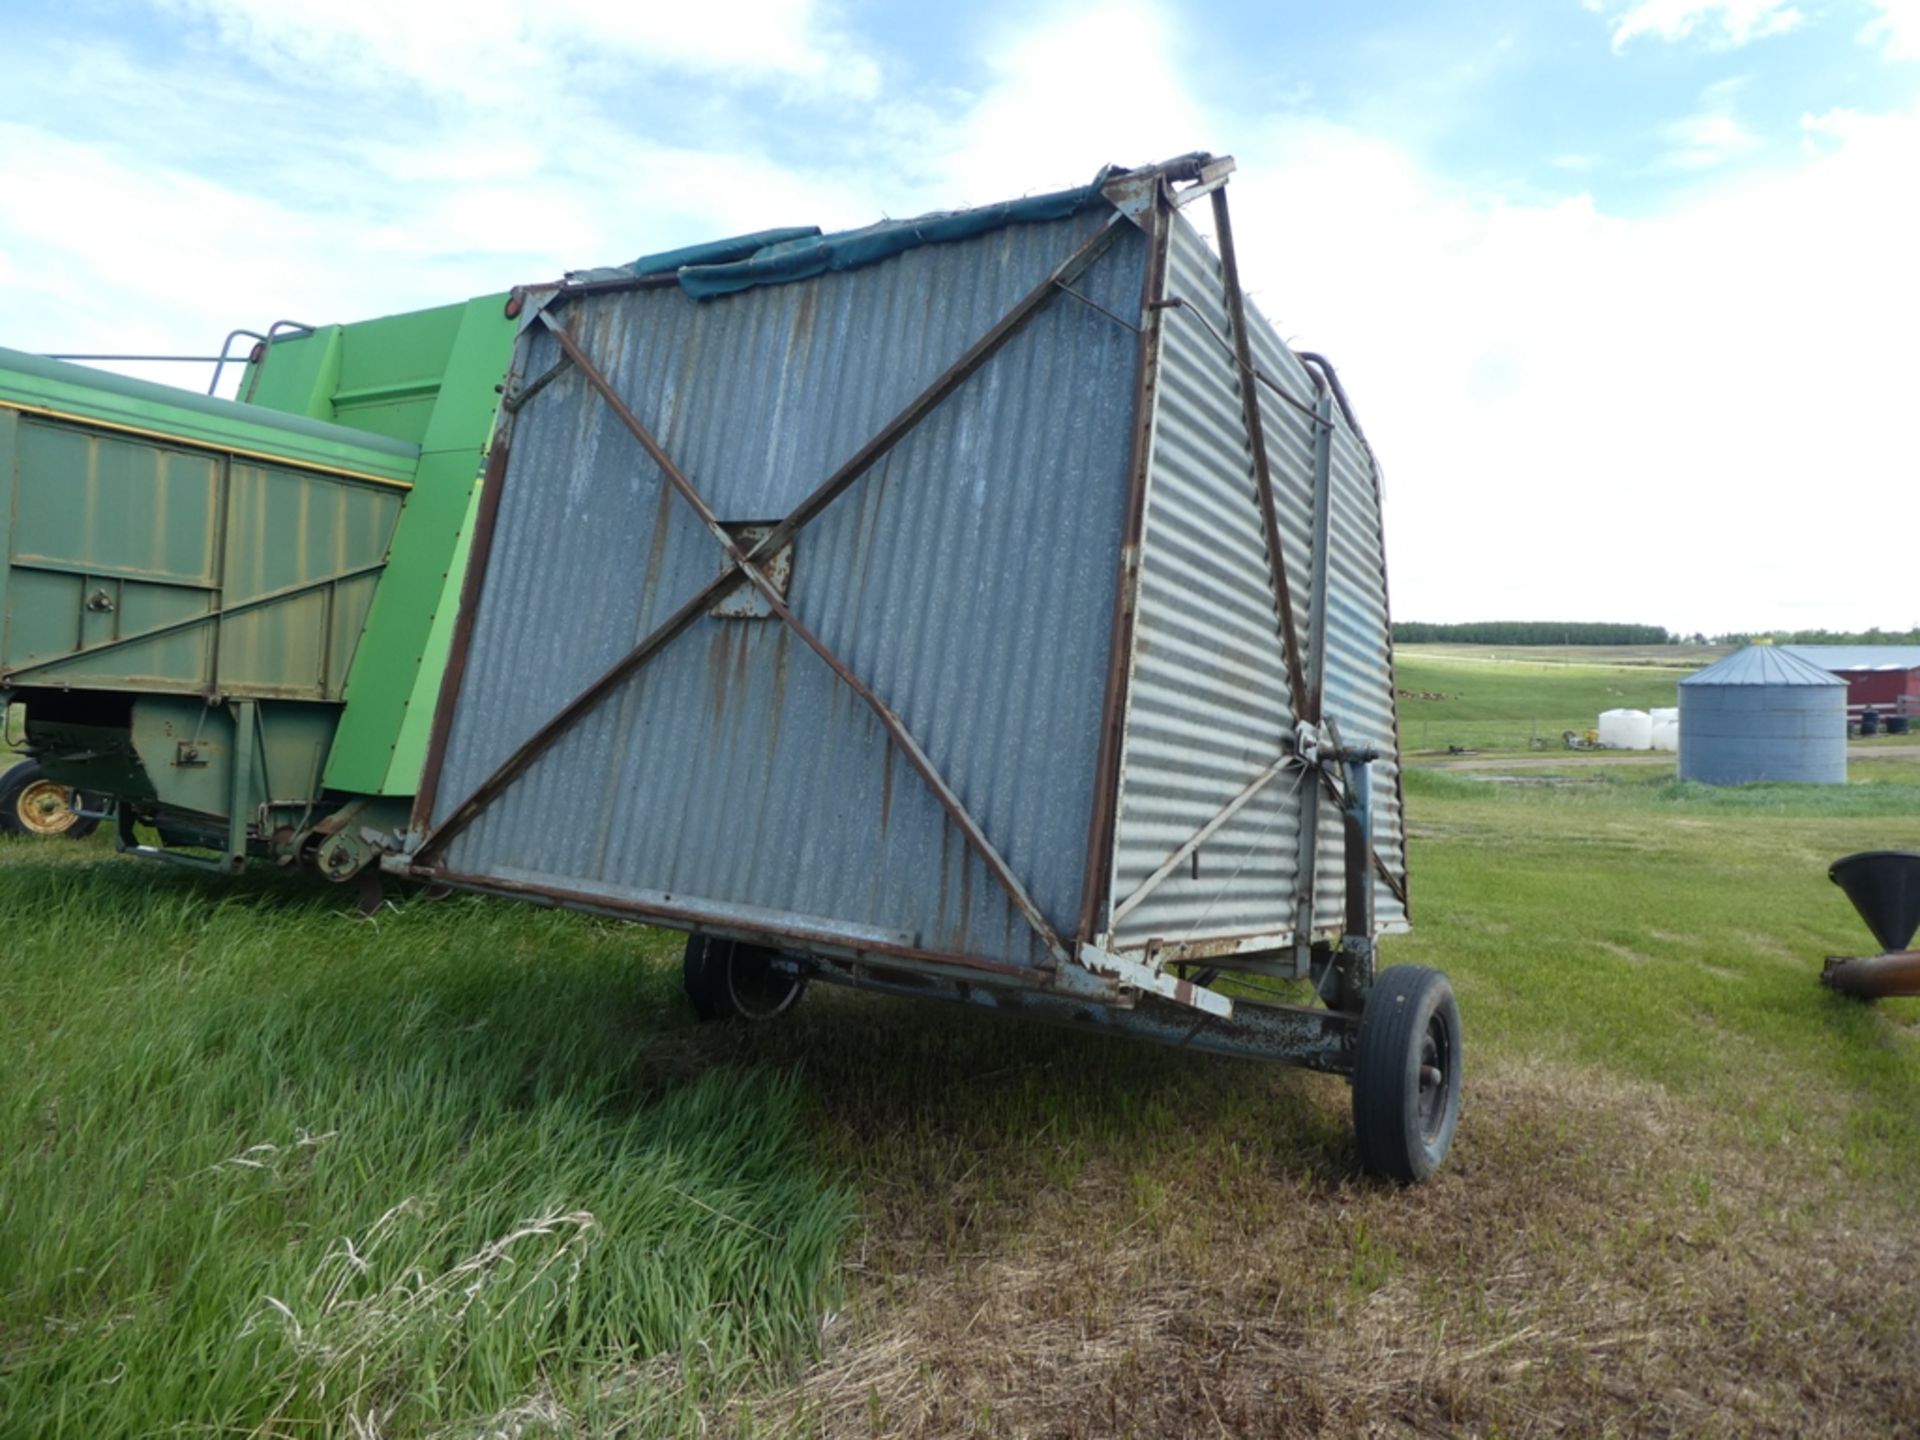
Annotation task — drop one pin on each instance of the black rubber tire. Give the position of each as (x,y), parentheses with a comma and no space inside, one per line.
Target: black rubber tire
(726,980)
(1406,1075)
(14,784)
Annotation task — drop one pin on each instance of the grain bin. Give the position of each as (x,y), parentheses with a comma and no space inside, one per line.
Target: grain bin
(1763,714)
(988,607)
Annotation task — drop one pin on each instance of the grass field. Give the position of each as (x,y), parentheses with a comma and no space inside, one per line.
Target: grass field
(471,1169)
(1478,699)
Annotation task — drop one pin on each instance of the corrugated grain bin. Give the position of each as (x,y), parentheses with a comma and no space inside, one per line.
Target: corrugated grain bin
(1763,714)
(988,606)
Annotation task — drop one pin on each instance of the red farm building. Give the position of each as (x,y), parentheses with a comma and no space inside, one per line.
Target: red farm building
(1887,677)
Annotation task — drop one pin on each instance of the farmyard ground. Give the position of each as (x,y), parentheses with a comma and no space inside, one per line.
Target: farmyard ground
(472,1169)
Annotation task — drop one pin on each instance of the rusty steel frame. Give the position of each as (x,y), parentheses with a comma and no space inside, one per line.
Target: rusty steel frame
(1315,1039)
(480,552)
(743,570)
(1097,878)
(1326,377)
(979,968)
(1257,441)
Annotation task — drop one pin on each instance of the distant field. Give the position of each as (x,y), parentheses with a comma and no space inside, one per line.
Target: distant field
(1455,697)
(470,1168)
(1680,657)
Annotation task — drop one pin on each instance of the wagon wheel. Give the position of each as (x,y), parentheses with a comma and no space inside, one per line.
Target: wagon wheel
(1406,1074)
(32,804)
(726,980)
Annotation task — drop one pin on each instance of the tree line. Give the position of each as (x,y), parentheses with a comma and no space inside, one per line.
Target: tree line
(1530,632)
(1875,636)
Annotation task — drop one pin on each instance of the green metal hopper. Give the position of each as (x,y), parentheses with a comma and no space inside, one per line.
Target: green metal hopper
(229,618)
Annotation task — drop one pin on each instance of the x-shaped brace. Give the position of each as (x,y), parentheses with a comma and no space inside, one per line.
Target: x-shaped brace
(745,568)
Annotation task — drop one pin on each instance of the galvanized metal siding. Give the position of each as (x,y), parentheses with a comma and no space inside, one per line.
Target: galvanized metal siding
(1740,733)
(1359,693)
(1209,706)
(968,579)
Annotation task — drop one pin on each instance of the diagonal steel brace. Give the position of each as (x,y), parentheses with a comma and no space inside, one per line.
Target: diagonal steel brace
(745,569)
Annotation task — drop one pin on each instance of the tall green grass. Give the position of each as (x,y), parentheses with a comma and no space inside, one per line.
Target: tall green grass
(274,1169)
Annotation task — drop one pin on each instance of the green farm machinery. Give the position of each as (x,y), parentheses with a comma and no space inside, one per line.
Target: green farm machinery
(225,621)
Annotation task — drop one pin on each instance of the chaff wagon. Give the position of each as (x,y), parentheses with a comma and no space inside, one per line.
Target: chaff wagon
(988,606)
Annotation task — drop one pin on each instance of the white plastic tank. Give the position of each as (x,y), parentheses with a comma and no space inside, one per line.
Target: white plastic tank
(1666,728)
(1626,729)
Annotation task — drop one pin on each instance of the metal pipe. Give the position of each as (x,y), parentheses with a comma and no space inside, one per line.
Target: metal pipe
(1356,815)
(239,782)
(1874,977)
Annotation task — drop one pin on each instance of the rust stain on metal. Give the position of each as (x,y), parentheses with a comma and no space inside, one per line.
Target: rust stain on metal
(719,644)
(656,555)
(886,789)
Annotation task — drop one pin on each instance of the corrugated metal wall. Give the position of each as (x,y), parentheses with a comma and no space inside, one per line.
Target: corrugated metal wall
(1208,706)
(968,579)
(1737,734)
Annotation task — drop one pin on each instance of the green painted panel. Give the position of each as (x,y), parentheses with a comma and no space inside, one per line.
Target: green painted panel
(299,376)
(382,376)
(116,534)
(31,384)
(395,679)
(114,504)
(48,618)
(410,748)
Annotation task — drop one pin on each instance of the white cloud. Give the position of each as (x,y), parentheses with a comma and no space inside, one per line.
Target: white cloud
(1722,23)
(1713,135)
(1695,417)
(1895,32)
(1050,115)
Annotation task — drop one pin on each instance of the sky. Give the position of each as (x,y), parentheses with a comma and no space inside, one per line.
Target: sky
(1626,292)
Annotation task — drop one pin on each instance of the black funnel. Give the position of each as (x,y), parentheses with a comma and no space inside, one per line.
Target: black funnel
(1884,886)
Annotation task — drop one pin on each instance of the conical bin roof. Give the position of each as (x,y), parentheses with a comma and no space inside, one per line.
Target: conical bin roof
(1762,665)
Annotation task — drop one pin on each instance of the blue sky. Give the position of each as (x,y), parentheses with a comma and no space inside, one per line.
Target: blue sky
(1624,289)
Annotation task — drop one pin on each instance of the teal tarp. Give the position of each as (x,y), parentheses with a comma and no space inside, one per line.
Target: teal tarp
(777,257)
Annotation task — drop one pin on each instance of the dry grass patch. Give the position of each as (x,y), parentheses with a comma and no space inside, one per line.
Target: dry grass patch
(1589,1263)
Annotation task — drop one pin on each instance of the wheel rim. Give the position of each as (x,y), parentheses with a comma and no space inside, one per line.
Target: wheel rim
(46,808)
(1436,1079)
(760,991)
